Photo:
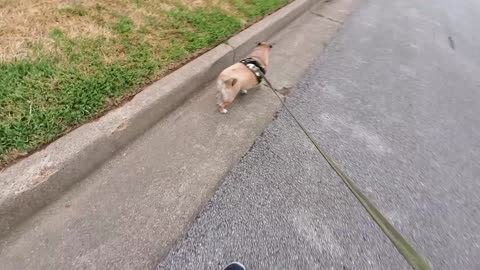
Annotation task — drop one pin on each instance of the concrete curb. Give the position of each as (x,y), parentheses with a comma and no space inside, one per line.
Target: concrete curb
(32,183)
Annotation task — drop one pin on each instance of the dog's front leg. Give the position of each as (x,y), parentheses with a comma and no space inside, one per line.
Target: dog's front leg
(245,91)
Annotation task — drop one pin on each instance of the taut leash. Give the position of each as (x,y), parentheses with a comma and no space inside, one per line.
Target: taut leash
(407,251)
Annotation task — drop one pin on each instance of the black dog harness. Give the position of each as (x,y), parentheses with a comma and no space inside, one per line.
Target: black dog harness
(255,67)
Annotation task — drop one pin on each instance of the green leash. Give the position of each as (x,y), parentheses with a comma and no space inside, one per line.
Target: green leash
(407,251)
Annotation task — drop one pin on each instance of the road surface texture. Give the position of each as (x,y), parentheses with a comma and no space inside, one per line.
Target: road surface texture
(395,99)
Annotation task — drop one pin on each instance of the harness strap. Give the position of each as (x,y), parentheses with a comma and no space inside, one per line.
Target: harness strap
(255,67)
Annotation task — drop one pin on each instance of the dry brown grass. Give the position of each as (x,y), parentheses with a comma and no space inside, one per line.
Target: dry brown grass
(25,24)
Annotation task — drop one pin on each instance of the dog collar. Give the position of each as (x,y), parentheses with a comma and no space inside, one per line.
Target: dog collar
(254,67)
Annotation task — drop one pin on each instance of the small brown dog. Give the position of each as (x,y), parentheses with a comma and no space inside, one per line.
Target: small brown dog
(240,77)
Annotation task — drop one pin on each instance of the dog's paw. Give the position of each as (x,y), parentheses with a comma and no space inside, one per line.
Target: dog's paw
(224,111)
(243,92)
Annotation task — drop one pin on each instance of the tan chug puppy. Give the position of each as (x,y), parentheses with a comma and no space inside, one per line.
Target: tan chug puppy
(240,77)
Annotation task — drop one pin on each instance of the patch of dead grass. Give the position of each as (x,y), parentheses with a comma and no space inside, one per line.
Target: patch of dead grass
(27,23)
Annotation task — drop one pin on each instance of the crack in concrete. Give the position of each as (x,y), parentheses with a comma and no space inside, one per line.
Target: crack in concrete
(325,17)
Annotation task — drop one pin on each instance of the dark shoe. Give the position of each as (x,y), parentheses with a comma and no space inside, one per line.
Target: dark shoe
(235,266)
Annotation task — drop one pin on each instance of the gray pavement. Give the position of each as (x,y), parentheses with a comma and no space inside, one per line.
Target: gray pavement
(395,99)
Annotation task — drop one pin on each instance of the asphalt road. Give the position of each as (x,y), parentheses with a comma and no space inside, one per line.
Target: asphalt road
(395,99)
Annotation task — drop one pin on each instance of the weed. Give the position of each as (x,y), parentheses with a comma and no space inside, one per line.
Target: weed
(75,10)
(124,25)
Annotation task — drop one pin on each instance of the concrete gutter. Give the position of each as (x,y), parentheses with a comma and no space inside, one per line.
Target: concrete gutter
(39,179)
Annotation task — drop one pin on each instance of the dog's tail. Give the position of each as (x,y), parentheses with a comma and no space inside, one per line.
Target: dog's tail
(222,86)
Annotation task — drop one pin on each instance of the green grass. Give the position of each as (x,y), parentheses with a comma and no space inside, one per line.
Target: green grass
(43,96)
(257,8)
(75,10)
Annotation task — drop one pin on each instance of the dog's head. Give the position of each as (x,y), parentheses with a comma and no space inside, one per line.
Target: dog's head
(264,44)
(262,52)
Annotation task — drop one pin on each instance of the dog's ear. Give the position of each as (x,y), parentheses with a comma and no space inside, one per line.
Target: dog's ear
(264,43)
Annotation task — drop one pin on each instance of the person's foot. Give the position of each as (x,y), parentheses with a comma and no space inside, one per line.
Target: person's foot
(235,266)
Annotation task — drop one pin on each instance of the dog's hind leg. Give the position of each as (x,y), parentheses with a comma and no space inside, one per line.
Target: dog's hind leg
(227,99)
(225,95)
